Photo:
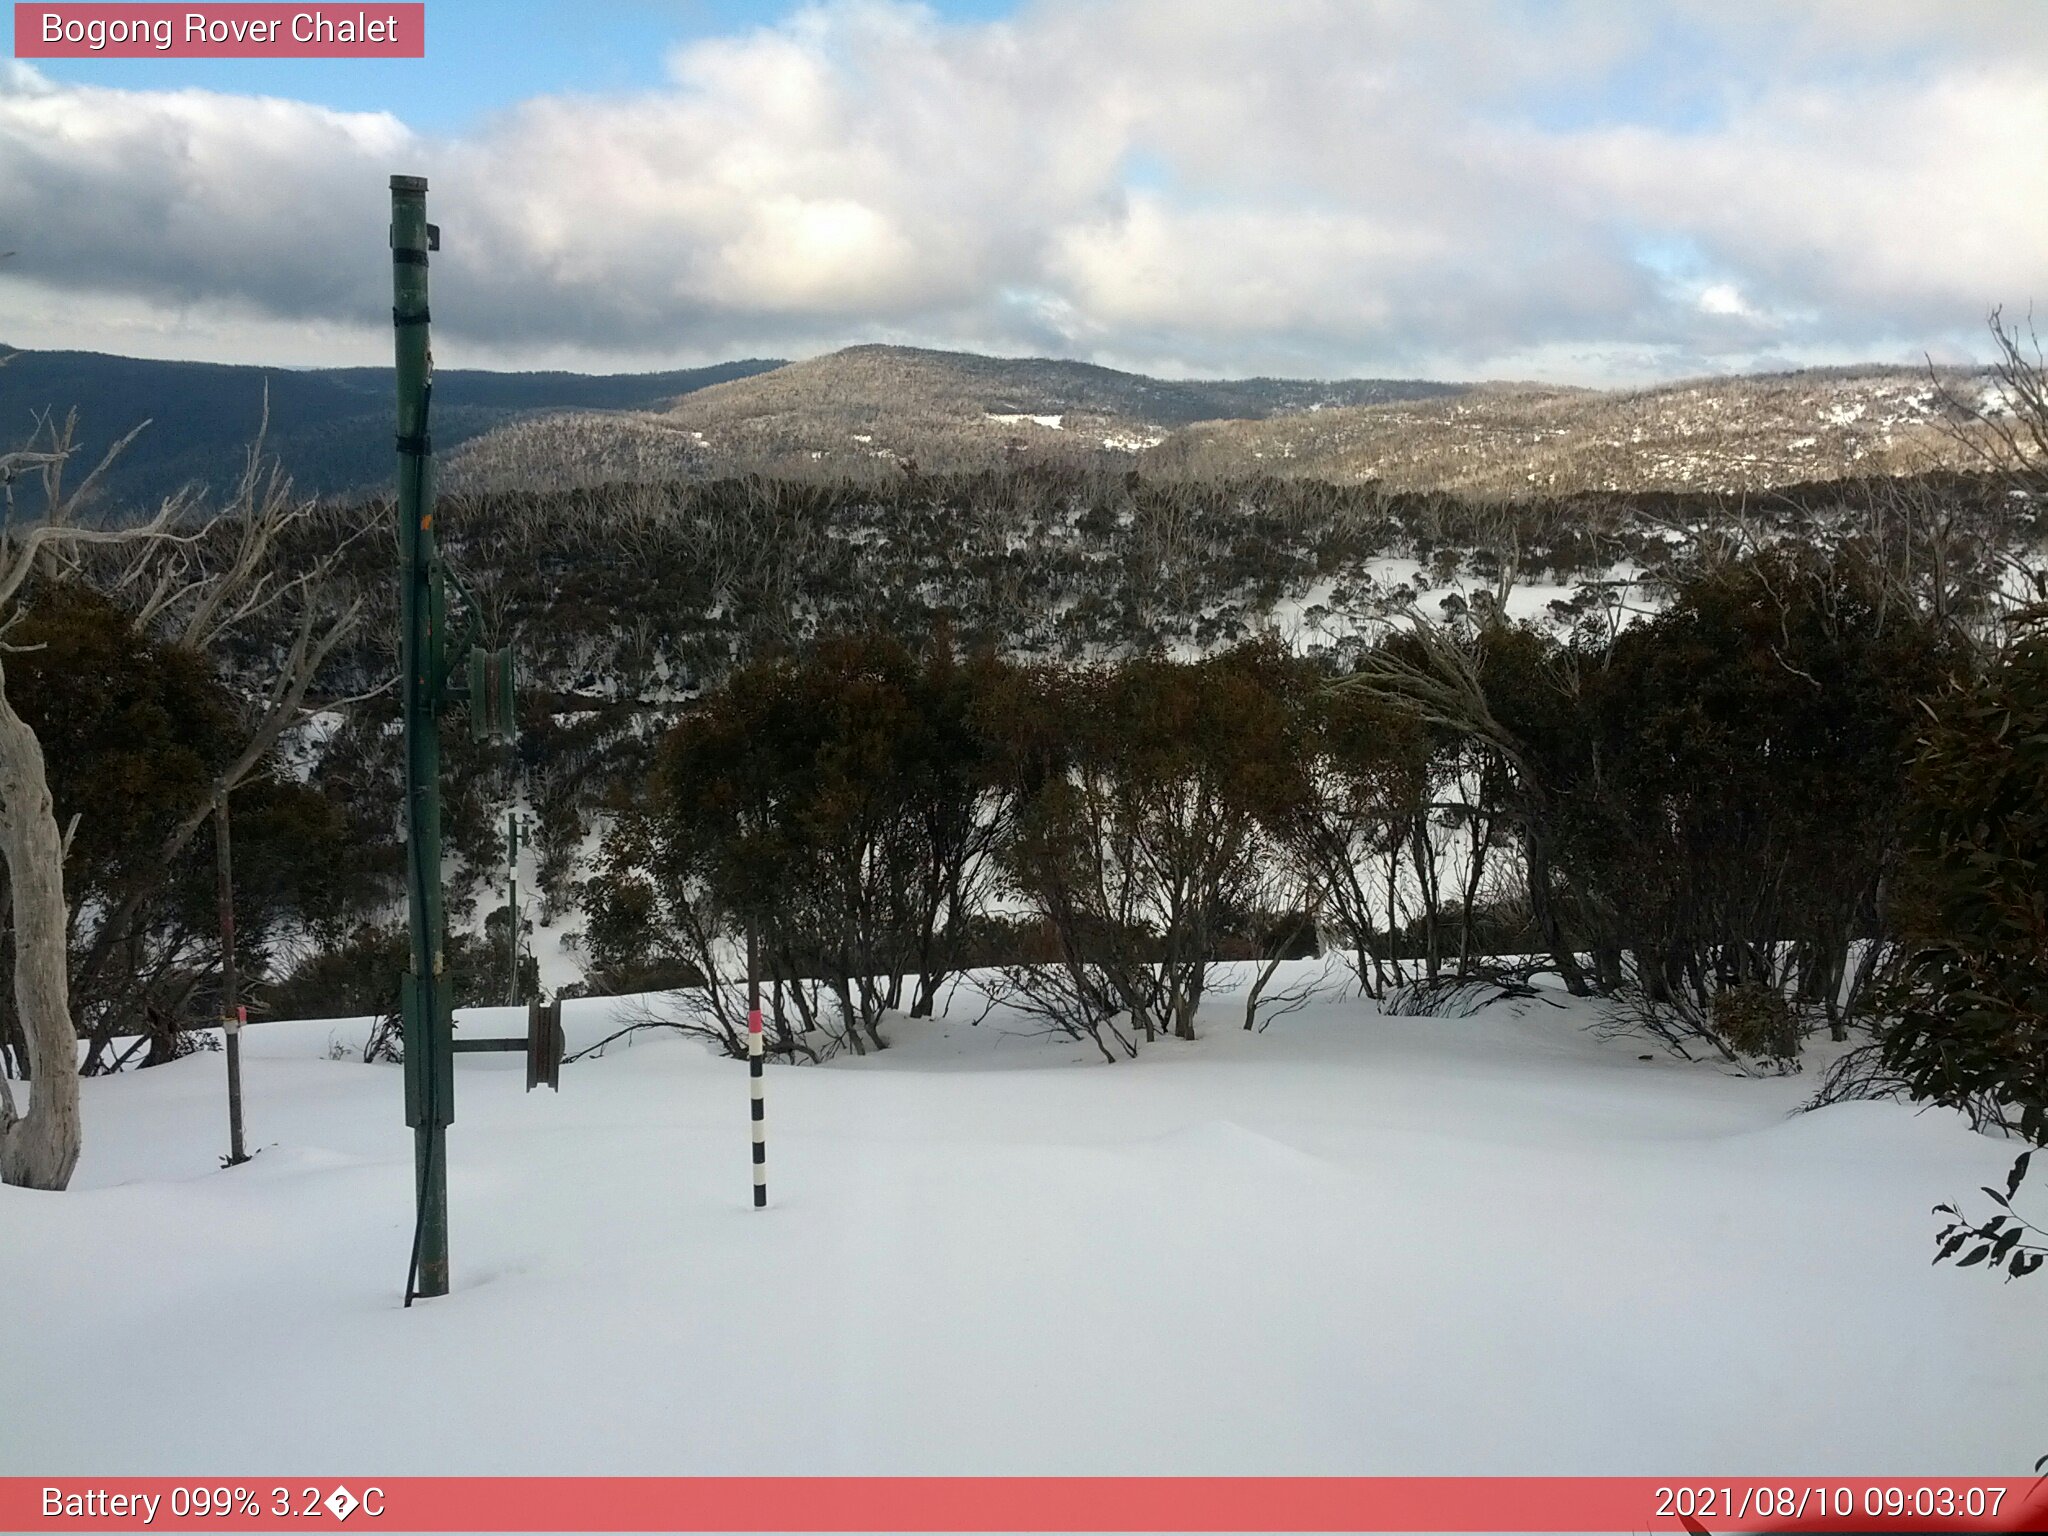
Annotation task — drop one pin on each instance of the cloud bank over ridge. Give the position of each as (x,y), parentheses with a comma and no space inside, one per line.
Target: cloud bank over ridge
(1580,192)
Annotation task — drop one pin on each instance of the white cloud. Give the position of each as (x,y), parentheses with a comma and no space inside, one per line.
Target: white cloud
(1724,299)
(1321,187)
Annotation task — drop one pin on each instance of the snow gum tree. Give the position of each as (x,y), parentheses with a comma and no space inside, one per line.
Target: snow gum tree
(1708,801)
(1145,795)
(838,805)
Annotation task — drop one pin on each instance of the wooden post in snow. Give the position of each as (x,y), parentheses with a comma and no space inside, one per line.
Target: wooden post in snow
(231,1012)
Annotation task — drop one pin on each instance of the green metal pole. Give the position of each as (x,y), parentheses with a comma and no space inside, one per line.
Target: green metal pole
(429,1021)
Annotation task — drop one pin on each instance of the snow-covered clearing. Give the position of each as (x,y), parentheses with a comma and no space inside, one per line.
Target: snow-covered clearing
(1351,1244)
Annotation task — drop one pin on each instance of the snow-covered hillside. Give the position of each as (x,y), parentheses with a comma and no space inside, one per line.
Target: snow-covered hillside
(847,413)
(1350,1244)
(1729,434)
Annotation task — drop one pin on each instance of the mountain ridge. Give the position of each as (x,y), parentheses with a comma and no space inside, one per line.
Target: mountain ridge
(330,427)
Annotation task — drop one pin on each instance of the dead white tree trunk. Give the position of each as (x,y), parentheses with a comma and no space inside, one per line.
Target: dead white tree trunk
(38,1150)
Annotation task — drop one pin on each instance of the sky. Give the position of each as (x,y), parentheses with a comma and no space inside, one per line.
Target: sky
(1601,192)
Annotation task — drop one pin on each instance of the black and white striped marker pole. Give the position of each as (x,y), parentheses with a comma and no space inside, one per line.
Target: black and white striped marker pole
(754,1080)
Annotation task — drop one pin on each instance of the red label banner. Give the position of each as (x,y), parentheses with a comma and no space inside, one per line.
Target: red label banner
(1514,1504)
(215,31)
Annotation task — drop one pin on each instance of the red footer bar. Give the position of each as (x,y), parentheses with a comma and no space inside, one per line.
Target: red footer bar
(1511,1504)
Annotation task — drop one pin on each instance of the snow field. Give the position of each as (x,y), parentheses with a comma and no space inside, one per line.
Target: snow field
(1351,1244)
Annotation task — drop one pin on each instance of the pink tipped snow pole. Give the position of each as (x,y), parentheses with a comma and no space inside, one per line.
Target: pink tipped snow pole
(755,1085)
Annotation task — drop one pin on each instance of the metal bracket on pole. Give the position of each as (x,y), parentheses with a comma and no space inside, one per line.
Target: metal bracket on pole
(493,706)
(544,1045)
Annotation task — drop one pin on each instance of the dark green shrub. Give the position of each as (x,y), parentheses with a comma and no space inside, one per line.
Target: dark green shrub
(1972,992)
(1757,1020)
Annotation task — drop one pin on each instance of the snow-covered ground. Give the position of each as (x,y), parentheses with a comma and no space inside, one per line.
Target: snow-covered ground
(1350,1244)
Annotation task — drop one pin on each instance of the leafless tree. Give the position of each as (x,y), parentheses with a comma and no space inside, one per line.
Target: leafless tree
(220,582)
(2005,427)
(39,1147)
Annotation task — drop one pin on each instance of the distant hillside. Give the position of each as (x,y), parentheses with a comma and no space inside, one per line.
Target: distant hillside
(871,407)
(1723,434)
(945,410)
(868,385)
(331,427)
(874,407)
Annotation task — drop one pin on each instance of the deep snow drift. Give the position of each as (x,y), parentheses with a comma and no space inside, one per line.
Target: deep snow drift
(1351,1244)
